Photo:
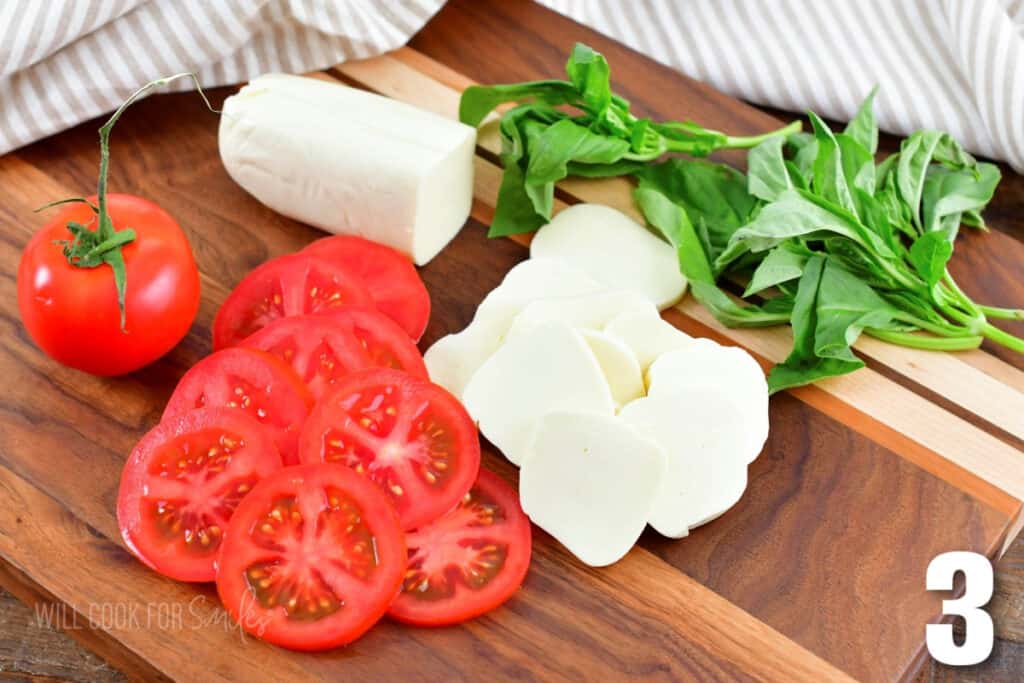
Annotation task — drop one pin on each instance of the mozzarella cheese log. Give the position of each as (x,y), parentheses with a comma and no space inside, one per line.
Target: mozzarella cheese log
(619,365)
(349,161)
(591,482)
(704,433)
(585,311)
(613,249)
(647,335)
(705,364)
(453,359)
(550,368)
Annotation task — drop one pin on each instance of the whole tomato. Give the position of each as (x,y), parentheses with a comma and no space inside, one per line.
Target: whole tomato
(72,312)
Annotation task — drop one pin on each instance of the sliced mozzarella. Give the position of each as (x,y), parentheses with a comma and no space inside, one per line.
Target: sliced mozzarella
(453,359)
(728,368)
(349,161)
(549,368)
(704,434)
(591,481)
(647,335)
(620,367)
(614,250)
(585,311)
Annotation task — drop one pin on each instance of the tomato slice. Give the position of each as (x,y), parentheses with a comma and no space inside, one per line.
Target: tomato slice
(253,381)
(411,437)
(467,562)
(312,558)
(183,481)
(296,284)
(389,276)
(322,349)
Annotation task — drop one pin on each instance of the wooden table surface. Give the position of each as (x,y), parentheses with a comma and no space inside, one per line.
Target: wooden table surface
(499,53)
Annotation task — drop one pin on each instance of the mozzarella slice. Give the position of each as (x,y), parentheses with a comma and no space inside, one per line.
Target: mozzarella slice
(704,434)
(590,481)
(648,336)
(349,161)
(619,365)
(613,249)
(453,359)
(550,368)
(705,364)
(585,311)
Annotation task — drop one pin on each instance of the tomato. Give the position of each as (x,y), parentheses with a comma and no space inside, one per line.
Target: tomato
(295,284)
(467,562)
(183,481)
(312,558)
(411,437)
(322,349)
(253,381)
(389,276)
(72,312)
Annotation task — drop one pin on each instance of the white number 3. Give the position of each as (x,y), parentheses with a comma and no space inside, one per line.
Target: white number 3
(977,571)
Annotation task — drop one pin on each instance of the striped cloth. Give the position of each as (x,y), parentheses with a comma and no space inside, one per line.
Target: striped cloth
(65,61)
(956,65)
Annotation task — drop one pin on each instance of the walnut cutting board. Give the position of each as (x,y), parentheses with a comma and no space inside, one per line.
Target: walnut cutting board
(817,574)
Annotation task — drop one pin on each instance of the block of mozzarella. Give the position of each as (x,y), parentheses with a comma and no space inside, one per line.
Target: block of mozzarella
(453,359)
(619,365)
(591,482)
(590,311)
(647,335)
(550,368)
(704,433)
(731,369)
(349,161)
(613,249)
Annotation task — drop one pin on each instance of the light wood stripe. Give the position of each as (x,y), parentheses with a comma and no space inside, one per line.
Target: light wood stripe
(415,78)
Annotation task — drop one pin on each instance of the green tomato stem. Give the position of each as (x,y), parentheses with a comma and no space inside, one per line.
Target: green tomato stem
(918,341)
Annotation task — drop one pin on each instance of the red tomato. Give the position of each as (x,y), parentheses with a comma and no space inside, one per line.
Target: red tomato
(249,380)
(296,284)
(312,558)
(72,313)
(390,277)
(183,481)
(467,562)
(324,348)
(411,437)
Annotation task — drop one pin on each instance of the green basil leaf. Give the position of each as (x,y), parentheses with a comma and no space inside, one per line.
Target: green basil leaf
(917,153)
(830,180)
(589,73)
(862,127)
(947,192)
(929,253)
(477,101)
(514,213)
(858,164)
(767,173)
(782,264)
(845,306)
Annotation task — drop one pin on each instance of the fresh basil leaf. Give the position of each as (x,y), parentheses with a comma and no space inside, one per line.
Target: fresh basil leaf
(858,164)
(917,153)
(830,180)
(862,127)
(929,253)
(803,149)
(477,101)
(590,75)
(767,173)
(974,219)
(616,169)
(845,306)
(514,213)
(782,264)
(947,192)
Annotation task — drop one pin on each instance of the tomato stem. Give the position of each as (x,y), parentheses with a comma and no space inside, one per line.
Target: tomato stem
(92,248)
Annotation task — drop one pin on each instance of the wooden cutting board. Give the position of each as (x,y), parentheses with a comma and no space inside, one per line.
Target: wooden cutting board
(817,574)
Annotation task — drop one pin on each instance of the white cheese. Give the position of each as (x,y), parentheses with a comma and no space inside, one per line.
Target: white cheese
(453,359)
(731,369)
(590,481)
(349,161)
(550,368)
(584,311)
(613,249)
(619,365)
(647,334)
(704,434)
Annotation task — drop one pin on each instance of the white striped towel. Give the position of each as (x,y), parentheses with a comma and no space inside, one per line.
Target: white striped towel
(65,61)
(955,65)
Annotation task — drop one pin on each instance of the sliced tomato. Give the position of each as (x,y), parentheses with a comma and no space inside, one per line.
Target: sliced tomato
(183,481)
(467,562)
(389,276)
(296,284)
(322,349)
(411,437)
(250,380)
(312,558)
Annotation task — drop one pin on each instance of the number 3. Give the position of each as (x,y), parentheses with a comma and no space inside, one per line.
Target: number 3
(977,572)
